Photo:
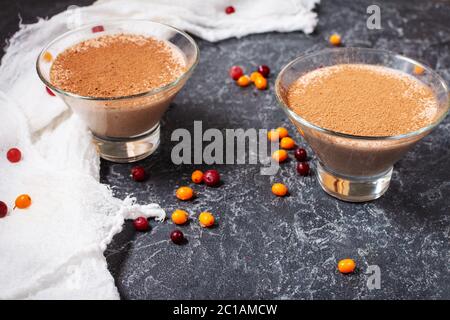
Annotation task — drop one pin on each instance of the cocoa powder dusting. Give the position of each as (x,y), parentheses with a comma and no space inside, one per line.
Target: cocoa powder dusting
(116,65)
(363,100)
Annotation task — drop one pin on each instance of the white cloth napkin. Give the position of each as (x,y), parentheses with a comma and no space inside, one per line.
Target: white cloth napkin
(54,249)
(208,20)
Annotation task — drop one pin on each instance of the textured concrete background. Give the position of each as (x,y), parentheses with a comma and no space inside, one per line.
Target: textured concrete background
(267,247)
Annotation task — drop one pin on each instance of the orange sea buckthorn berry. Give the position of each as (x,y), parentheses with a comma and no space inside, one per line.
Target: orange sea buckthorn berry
(243,81)
(335,39)
(273,136)
(282,132)
(261,83)
(23,201)
(206,219)
(346,266)
(185,193)
(179,216)
(279,189)
(197,176)
(287,143)
(255,75)
(47,56)
(418,70)
(280,155)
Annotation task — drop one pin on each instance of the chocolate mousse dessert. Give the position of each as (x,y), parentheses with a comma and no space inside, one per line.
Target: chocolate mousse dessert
(116,66)
(117,71)
(364,101)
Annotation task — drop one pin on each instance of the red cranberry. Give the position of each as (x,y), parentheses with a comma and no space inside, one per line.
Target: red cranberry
(300,154)
(177,236)
(98,29)
(50,92)
(303,168)
(264,70)
(138,173)
(211,178)
(229,10)
(141,224)
(3,209)
(236,72)
(14,155)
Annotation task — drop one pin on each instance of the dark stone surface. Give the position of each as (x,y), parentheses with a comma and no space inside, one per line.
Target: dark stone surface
(284,248)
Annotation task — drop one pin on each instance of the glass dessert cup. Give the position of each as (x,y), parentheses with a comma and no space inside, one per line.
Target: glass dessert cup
(349,167)
(124,128)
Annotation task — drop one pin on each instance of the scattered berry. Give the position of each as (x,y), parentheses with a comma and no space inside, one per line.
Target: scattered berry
(177,236)
(3,209)
(418,70)
(272,135)
(255,75)
(23,201)
(206,219)
(50,92)
(346,266)
(98,29)
(261,83)
(303,168)
(180,216)
(47,56)
(229,10)
(236,72)
(211,178)
(184,193)
(279,189)
(138,173)
(287,143)
(141,224)
(282,132)
(264,70)
(300,154)
(14,155)
(335,39)
(280,155)
(243,81)
(197,177)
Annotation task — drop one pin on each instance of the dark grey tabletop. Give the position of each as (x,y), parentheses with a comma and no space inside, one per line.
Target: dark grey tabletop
(287,248)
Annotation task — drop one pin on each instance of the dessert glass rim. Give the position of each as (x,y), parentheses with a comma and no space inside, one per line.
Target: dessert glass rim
(137,95)
(311,125)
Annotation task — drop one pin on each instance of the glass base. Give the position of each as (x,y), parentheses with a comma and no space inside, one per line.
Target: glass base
(125,150)
(353,189)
